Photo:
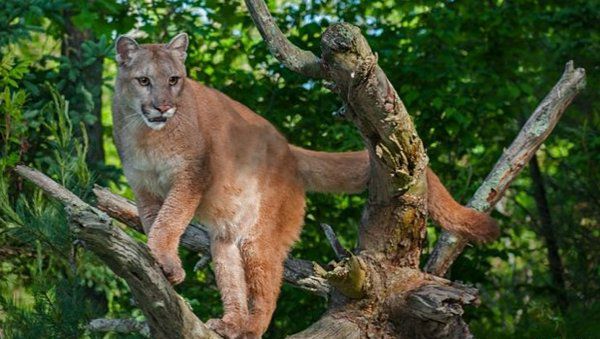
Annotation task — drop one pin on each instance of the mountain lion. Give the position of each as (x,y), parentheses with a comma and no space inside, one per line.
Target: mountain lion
(191,151)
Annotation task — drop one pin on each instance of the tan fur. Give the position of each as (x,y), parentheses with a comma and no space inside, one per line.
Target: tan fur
(191,151)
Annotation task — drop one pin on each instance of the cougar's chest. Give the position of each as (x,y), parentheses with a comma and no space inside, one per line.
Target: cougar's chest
(151,169)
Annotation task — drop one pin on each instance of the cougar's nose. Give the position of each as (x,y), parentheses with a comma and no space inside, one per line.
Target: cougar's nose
(163,108)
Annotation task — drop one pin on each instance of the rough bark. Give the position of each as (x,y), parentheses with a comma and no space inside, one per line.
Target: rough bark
(532,135)
(380,291)
(119,326)
(167,314)
(394,220)
(547,232)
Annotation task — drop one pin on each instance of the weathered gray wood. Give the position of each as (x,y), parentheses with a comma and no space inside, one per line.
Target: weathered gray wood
(432,311)
(119,326)
(532,135)
(294,58)
(330,327)
(167,314)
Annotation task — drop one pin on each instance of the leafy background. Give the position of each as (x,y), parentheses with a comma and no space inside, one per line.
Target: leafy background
(470,72)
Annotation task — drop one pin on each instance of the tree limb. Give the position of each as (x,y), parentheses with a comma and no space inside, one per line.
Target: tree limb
(168,315)
(394,219)
(299,273)
(532,135)
(291,56)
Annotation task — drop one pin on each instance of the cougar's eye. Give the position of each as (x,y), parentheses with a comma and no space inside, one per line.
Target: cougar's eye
(173,81)
(144,81)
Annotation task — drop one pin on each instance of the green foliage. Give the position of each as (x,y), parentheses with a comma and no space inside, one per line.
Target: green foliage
(470,72)
(49,289)
(61,311)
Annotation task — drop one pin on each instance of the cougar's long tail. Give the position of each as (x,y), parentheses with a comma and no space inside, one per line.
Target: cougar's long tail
(348,172)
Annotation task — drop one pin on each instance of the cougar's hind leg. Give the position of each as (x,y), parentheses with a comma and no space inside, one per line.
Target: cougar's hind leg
(263,255)
(231,281)
(263,265)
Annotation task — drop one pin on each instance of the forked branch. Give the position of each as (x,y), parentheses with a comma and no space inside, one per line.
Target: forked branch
(532,135)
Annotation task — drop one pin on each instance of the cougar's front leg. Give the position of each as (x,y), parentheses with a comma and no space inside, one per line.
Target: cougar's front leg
(231,281)
(173,217)
(148,206)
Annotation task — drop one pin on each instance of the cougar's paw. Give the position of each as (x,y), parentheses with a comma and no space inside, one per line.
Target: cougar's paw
(171,267)
(225,329)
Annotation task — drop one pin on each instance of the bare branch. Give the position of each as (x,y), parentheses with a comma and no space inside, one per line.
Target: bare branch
(298,272)
(202,262)
(303,274)
(340,251)
(119,326)
(168,315)
(49,186)
(291,56)
(118,207)
(532,135)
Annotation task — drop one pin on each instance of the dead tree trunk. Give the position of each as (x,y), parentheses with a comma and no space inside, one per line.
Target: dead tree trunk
(380,290)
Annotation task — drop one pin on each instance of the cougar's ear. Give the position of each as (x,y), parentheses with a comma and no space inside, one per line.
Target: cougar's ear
(125,47)
(179,44)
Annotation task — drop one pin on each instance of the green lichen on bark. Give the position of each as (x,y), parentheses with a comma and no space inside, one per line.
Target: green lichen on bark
(348,277)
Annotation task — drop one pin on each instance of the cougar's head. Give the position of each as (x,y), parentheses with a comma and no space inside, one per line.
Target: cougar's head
(151,77)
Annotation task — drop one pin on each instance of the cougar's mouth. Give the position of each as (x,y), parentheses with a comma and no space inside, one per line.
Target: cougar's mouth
(157,122)
(158,119)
